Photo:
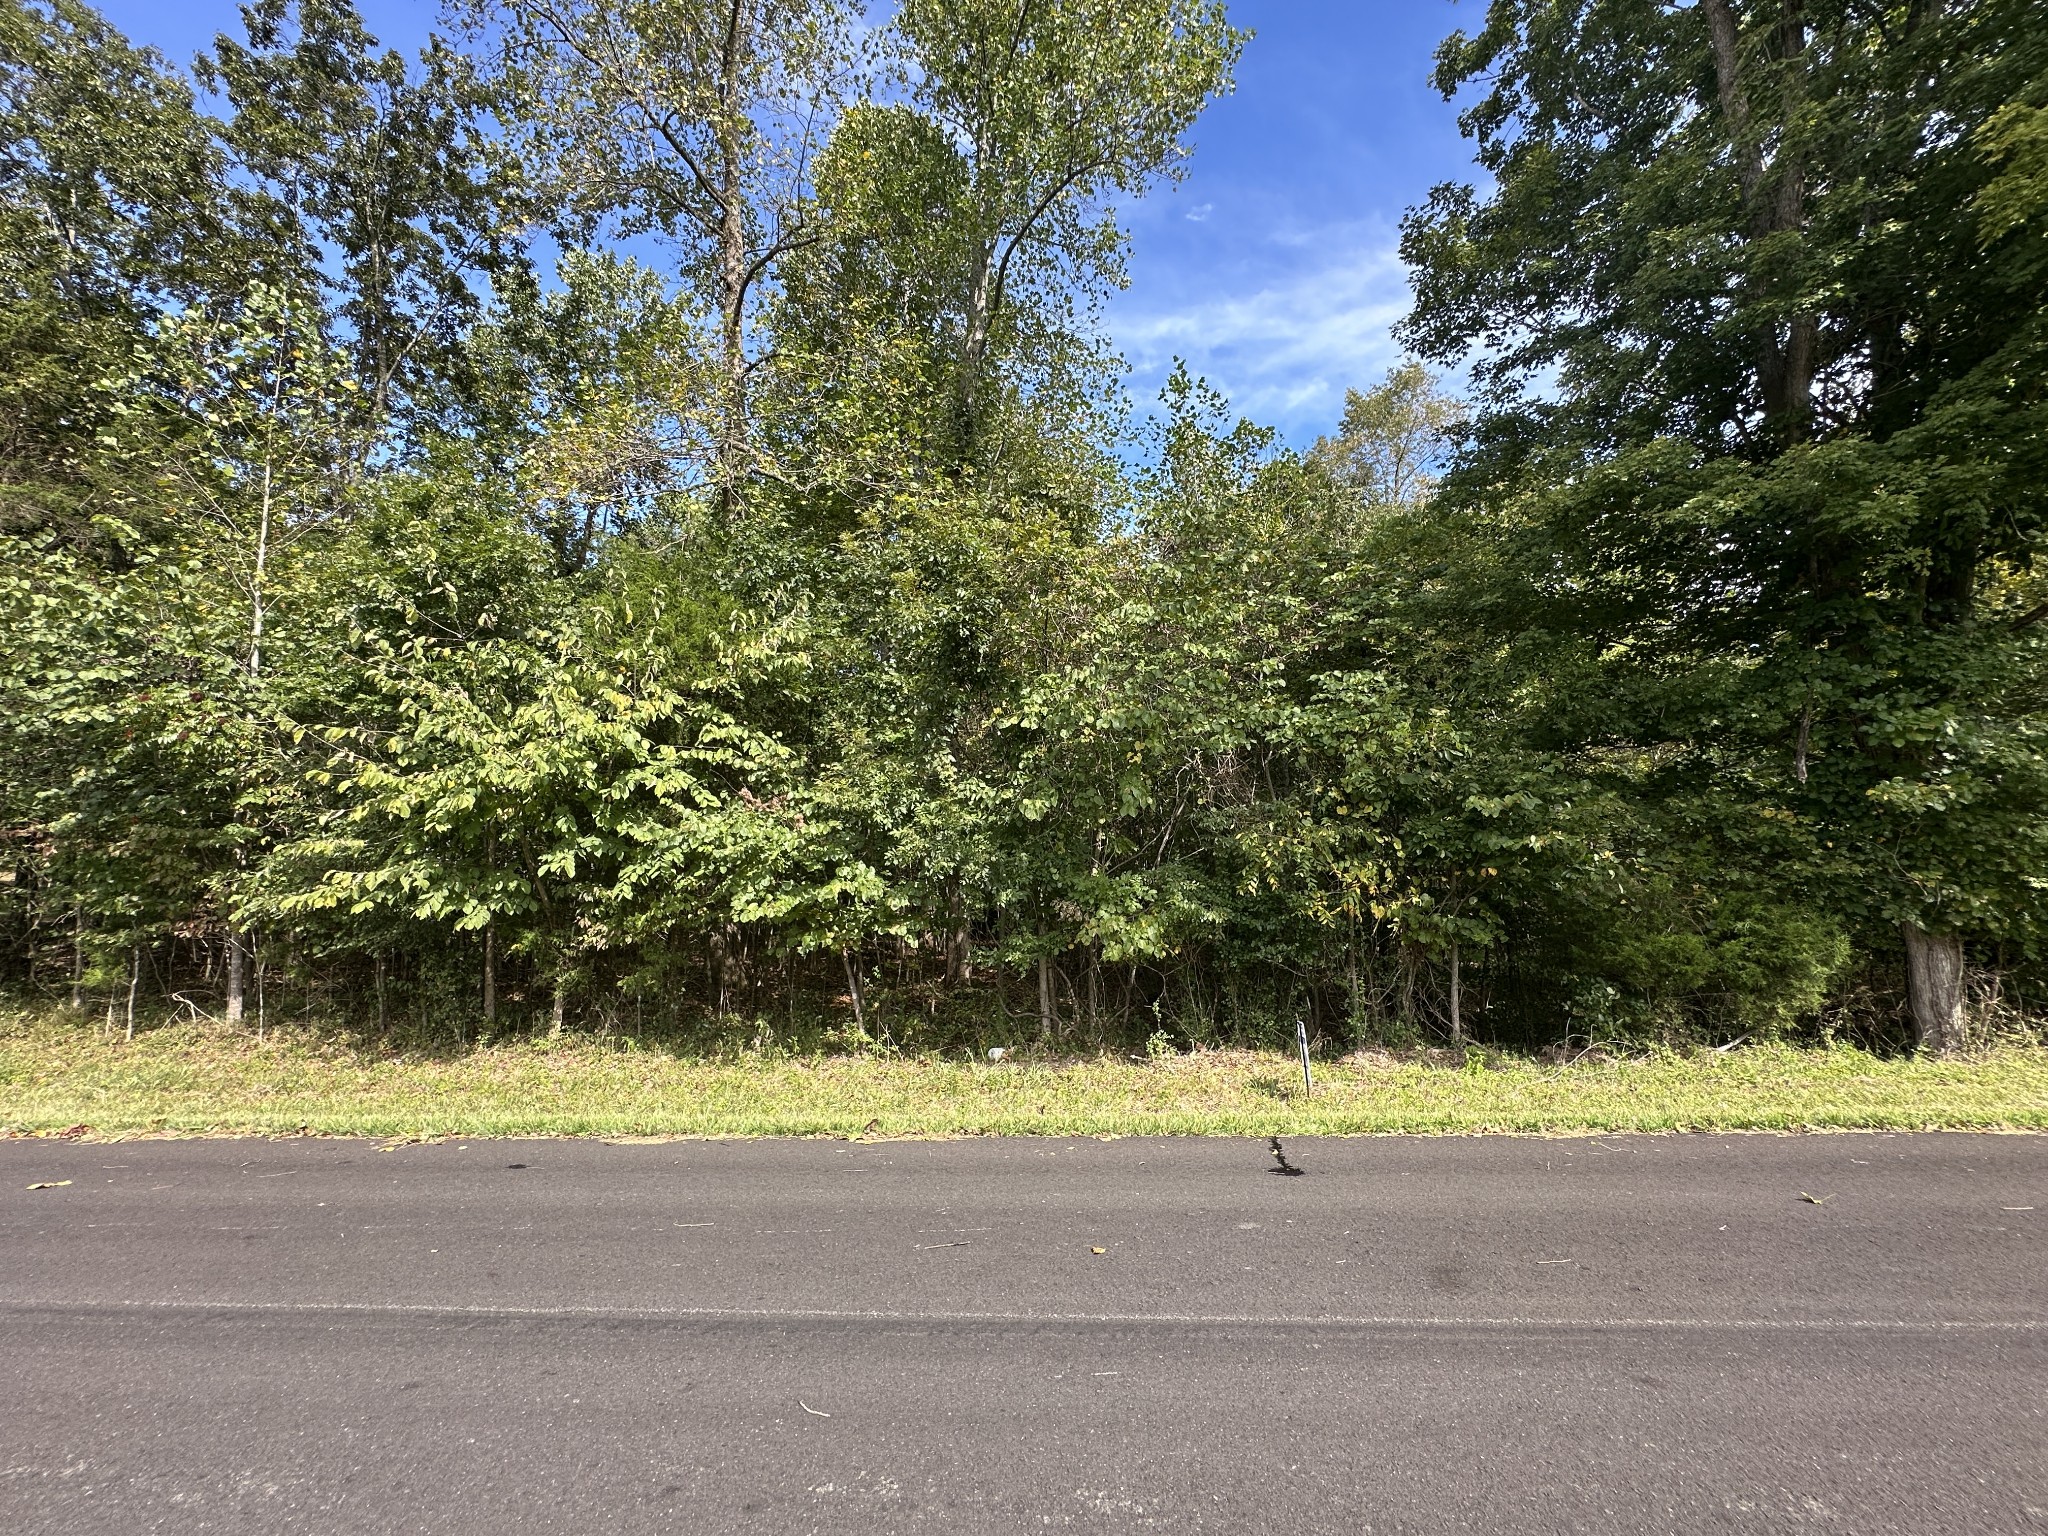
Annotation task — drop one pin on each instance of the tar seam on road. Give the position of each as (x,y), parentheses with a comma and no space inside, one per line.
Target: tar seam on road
(1164,1319)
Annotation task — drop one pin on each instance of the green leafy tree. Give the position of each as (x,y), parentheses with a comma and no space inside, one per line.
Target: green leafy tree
(1785,484)
(582,402)
(373,180)
(1053,110)
(1394,438)
(110,206)
(692,120)
(498,752)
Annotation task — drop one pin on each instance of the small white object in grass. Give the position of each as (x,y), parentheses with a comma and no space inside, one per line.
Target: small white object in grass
(997,1052)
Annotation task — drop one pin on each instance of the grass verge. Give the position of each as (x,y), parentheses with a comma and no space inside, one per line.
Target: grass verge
(197,1079)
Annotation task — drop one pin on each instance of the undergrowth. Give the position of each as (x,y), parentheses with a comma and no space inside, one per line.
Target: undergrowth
(199,1078)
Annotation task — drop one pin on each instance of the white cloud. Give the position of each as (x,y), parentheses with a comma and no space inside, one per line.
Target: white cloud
(1199,212)
(1285,351)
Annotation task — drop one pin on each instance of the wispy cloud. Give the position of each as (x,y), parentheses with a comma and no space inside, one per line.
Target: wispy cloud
(1283,351)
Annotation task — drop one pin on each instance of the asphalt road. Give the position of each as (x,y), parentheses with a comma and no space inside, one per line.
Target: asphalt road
(1512,1336)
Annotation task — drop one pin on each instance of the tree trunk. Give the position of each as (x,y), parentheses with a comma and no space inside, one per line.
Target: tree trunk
(256,581)
(490,975)
(981,304)
(238,977)
(1934,988)
(78,961)
(1353,1002)
(1457,1018)
(1045,1012)
(860,1015)
(383,1014)
(732,257)
(959,968)
(558,1010)
(134,981)
(718,970)
(1775,190)
(732,427)
(727,941)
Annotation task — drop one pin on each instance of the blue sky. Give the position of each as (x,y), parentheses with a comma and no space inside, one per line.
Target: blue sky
(1272,267)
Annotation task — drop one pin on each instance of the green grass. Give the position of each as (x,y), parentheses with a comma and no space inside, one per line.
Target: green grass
(199,1079)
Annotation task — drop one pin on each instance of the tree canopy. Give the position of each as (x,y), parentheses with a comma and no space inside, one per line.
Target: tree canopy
(630,515)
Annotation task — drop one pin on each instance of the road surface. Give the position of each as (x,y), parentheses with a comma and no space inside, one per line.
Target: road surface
(1838,1333)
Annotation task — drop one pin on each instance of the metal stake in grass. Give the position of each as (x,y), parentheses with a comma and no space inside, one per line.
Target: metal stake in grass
(1301,1039)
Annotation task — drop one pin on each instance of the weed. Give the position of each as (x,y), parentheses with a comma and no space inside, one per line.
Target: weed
(198,1078)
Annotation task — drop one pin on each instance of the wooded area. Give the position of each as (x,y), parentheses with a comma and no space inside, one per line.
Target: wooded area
(629,520)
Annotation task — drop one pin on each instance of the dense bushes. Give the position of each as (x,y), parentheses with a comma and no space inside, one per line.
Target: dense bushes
(794,646)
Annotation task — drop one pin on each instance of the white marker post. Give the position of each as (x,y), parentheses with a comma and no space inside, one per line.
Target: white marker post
(1301,1038)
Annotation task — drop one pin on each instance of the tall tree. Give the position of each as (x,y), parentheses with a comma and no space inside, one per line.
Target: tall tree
(580,402)
(110,208)
(371,179)
(1053,110)
(1395,437)
(694,120)
(1762,360)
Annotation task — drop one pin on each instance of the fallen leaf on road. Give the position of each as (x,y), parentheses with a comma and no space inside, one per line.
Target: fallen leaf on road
(1098,1250)
(1815,1199)
(73,1131)
(60,1183)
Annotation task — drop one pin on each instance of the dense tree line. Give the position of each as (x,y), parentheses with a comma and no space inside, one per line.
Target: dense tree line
(625,519)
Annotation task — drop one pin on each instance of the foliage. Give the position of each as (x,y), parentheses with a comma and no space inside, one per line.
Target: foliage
(631,511)
(1774,488)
